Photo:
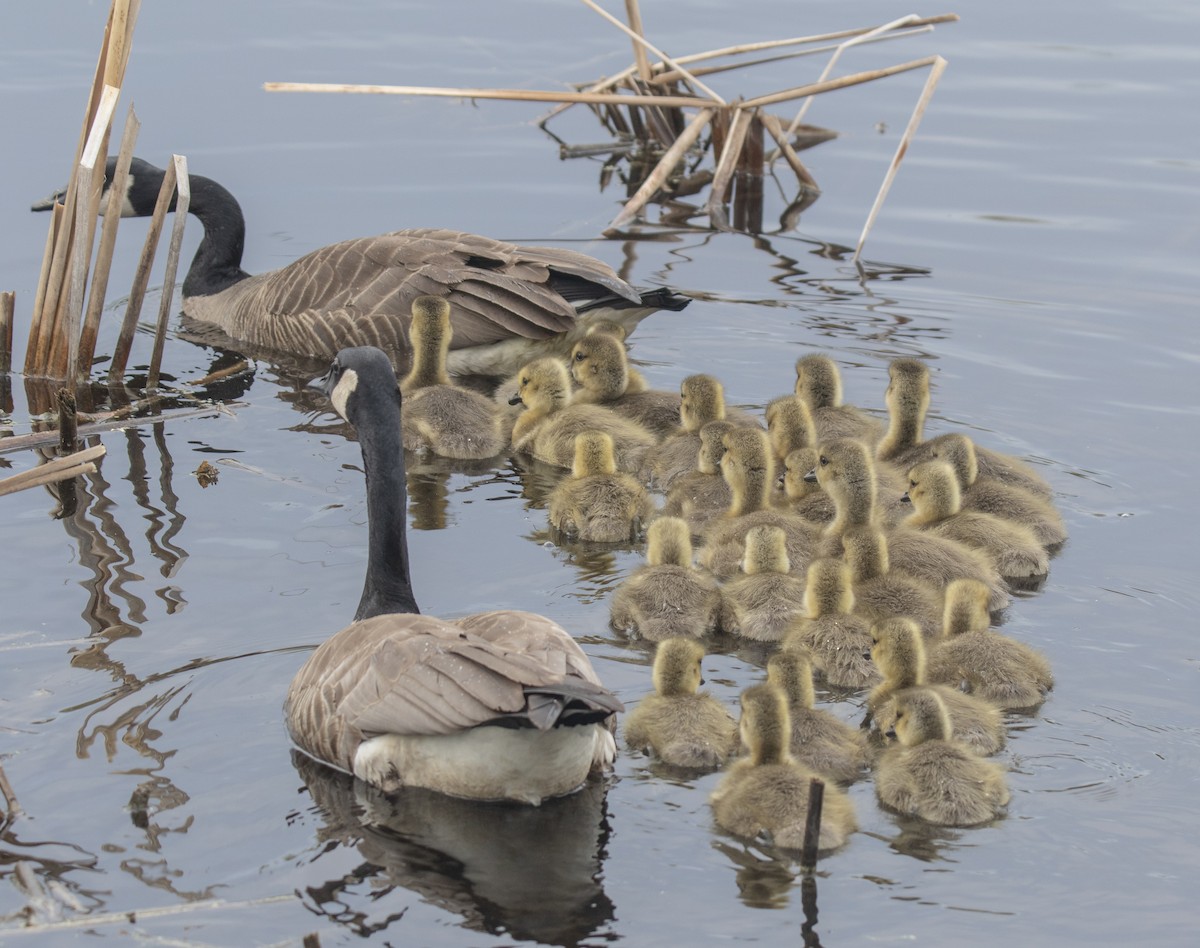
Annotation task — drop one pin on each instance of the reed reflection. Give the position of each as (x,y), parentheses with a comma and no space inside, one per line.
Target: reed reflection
(766,879)
(528,873)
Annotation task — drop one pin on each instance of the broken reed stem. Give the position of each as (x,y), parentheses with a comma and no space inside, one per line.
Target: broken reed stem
(68,422)
(815,88)
(774,128)
(514,95)
(137,293)
(108,240)
(663,169)
(655,50)
(115,419)
(183,193)
(939,66)
(812,824)
(634,14)
(11,806)
(719,194)
(8,305)
(58,469)
(37,329)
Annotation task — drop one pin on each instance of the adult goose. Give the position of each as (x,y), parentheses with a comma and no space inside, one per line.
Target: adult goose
(509,303)
(495,706)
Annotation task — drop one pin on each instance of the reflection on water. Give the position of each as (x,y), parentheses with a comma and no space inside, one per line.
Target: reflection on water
(530,873)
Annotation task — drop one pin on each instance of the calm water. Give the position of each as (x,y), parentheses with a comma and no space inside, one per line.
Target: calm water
(1039,248)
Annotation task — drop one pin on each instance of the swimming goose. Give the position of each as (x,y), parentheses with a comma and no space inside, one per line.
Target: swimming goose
(819,386)
(765,599)
(702,494)
(666,596)
(597,502)
(680,724)
(829,631)
(821,741)
(992,496)
(748,468)
(548,425)
(600,365)
(445,419)
(981,661)
(930,775)
(509,303)
(766,792)
(937,508)
(495,706)
(899,654)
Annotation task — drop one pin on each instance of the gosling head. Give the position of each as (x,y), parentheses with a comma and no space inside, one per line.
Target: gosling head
(747,466)
(712,446)
(933,492)
(430,333)
(677,667)
(543,385)
(593,454)
(846,473)
(920,716)
(600,364)
(828,590)
(796,465)
(865,551)
(898,652)
(907,394)
(789,425)
(791,670)
(701,400)
(669,542)
(360,380)
(766,724)
(766,551)
(818,381)
(958,451)
(966,608)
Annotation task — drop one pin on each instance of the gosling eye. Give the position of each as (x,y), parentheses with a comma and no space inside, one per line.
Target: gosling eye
(579,357)
(824,461)
(912,484)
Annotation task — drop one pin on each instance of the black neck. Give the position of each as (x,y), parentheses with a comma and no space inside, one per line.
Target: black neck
(388,588)
(218,261)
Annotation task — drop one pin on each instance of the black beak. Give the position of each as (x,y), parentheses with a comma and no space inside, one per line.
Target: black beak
(890,734)
(866,654)
(811,476)
(324,384)
(47,203)
(905,499)
(516,399)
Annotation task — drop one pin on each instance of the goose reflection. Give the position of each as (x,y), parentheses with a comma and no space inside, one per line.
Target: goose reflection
(530,873)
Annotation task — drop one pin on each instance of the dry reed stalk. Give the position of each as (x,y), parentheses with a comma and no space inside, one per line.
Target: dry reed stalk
(655,50)
(663,169)
(513,95)
(814,88)
(137,292)
(183,193)
(11,807)
(748,191)
(111,420)
(8,303)
(68,420)
(58,469)
(36,328)
(719,194)
(108,240)
(939,66)
(812,824)
(634,14)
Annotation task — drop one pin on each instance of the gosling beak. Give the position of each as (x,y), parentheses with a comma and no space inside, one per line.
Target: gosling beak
(890,733)
(47,203)
(905,499)
(811,476)
(866,654)
(516,400)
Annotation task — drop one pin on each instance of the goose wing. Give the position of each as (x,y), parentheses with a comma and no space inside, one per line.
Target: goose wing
(360,292)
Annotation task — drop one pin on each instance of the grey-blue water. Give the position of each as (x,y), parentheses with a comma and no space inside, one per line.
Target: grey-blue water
(1039,248)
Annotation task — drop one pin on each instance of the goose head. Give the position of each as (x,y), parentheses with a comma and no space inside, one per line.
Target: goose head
(360,381)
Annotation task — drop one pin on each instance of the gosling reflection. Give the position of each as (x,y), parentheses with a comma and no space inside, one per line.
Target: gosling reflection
(528,873)
(766,878)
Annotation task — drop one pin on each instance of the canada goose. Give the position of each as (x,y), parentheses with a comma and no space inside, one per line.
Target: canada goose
(498,705)
(597,502)
(899,654)
(683,726)
(701,400)
(600,365)
(846,472)
(829,746)
(998,669)
(748,468)
(548,425)
(789,425)
(439,417)
(509,303)
(804,497)
(819,386)
(881,592)
(991,496)
(767,790)
(930,775)
(907,399)
(761,603)
(937,508)
(702,494)
(837,639)
(666,596)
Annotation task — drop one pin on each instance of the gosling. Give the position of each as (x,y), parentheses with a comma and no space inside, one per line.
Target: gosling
(597,502)
(765,600)
(837,640)
(600,365)
(819,386)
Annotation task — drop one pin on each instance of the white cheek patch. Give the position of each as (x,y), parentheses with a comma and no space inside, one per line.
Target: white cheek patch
(343,390)
(127,205)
